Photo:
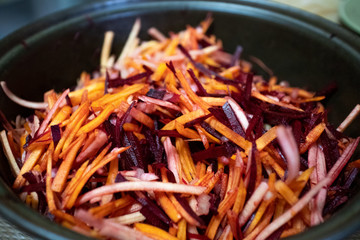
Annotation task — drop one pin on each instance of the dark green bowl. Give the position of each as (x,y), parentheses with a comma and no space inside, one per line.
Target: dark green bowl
(301,48)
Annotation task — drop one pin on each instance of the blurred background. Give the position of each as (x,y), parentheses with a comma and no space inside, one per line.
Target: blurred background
(17,13)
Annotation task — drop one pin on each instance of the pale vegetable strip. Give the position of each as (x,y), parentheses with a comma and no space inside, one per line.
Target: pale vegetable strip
(353,114)
(22,102)
(141,186)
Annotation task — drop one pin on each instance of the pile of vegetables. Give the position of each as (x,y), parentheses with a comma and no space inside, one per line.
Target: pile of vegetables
(177,139)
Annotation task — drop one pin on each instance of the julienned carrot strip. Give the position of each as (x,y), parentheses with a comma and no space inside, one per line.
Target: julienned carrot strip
(184,119)
(291,198)
(272,101)
(240,198)
(181,233)
(172,46)
(70,201)
(211,183)
(183,100)
(142,118)
(214,101)
(202,135)
(301,181)
(97,121)
(168,206)
(179,208)
(49,192)
(72,135)
(75,96)
(106,209)
(227,132)
(113,171)
(186,160)
(232,222)
(182,211)
(44,140)
(30,162)
(204,179)
(74,119)
(65,167)
(266,138)
(224,206)
(312,136)
(266,159)
(52,111)
(63,114)
(122,94)
(186,132)
(159,72)
(79,173)
(69,218)
(153,232)
(131,127)
(192,95)
(297,227)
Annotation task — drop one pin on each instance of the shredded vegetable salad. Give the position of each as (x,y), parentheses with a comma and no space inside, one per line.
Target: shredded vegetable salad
(177,139)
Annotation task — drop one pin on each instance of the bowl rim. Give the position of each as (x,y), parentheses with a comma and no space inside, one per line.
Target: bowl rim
(12,209)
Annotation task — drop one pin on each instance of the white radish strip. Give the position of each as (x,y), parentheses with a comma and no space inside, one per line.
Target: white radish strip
(160,103)
(319,204)
(46,121)
(326,182)
(321,197)
(156,34)
(253,203)
(9,155)
(348,120)
(132,37)
(289,147)
(106,48)
(202,205)
(173,158)
(128,218)
(141,186)
(20,101)
(148,177)
(312,162)
(110,229)
(320,165)
(239,112)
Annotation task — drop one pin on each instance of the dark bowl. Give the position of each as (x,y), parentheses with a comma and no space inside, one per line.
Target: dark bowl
(299,47)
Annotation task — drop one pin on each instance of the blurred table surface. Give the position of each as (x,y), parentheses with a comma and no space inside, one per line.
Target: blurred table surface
(17,13)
